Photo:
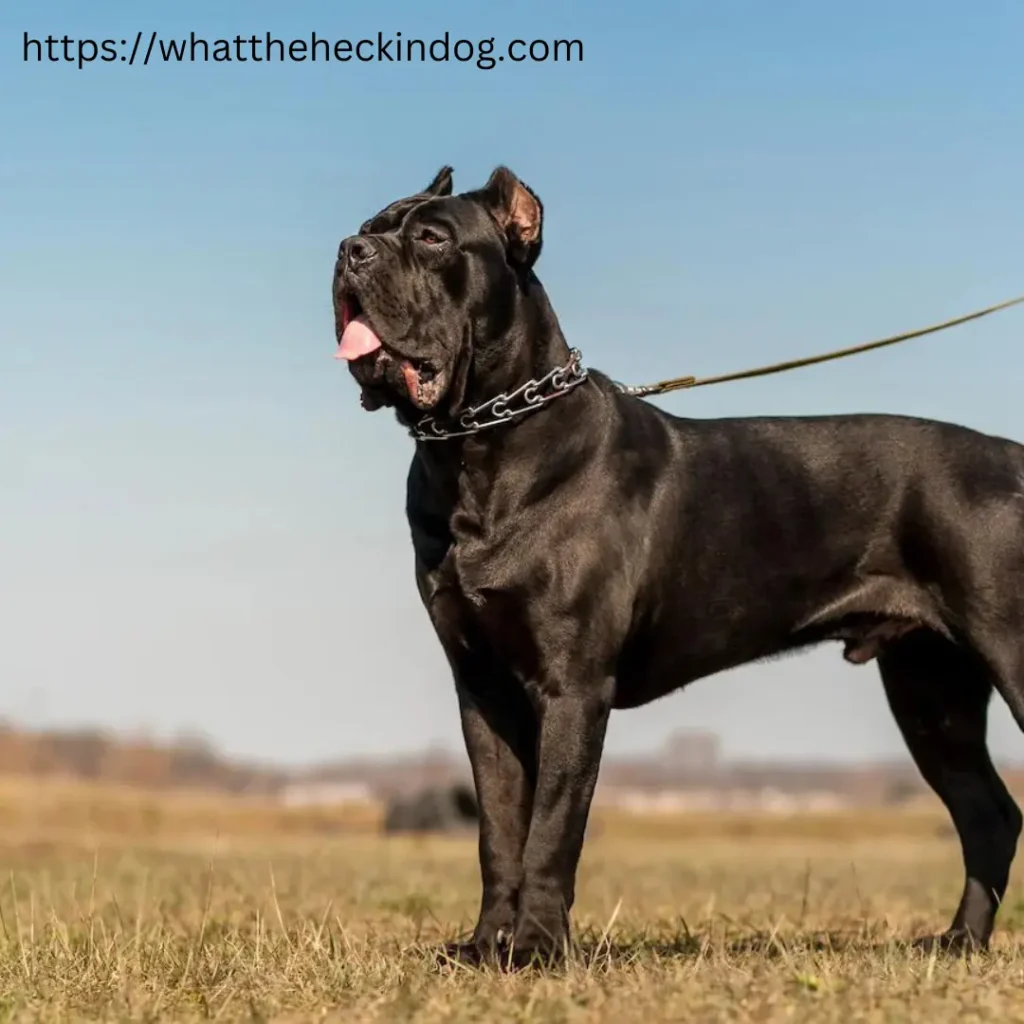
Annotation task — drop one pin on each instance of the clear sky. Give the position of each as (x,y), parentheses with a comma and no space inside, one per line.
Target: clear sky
(199,527)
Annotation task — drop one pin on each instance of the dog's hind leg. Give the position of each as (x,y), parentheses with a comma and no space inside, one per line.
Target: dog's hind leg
(939,695)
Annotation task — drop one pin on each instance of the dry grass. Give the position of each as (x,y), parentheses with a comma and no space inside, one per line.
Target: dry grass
(767,922)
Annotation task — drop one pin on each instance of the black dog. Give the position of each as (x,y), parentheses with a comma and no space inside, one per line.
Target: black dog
(579,550)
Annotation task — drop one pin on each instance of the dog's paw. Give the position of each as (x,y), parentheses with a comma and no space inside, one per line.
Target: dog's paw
(460,954)
(534,948)
(954,942)
(524,958)
(485,949)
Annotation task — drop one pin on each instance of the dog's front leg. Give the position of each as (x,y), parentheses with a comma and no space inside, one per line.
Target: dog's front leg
(573,724)
(500,729)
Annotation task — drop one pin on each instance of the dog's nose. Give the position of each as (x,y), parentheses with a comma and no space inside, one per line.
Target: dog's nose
(357,251)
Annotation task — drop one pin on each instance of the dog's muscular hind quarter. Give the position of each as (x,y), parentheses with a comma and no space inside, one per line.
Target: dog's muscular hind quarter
(600,553)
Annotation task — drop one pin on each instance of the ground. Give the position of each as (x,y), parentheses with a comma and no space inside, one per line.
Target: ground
(704,919)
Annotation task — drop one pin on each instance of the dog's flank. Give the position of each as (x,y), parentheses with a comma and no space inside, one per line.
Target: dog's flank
(601,553)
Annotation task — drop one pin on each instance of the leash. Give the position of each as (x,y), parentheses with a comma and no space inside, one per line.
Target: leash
(528,397)
(678,383)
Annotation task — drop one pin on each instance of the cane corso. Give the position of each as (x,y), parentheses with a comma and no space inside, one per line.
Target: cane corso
(578,550)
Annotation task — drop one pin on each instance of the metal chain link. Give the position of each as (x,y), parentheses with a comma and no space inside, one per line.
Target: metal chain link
(534,393)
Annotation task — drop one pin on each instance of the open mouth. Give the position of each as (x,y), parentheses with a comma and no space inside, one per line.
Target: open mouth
(375,366)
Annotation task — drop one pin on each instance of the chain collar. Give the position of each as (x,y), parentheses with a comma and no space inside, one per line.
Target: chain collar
(506,408)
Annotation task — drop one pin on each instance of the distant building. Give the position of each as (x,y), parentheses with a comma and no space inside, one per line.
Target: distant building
(692,754)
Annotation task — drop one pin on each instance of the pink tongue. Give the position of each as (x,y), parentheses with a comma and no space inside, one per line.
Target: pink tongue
(357,341)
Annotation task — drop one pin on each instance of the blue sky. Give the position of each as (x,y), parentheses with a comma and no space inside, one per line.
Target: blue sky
(200,530)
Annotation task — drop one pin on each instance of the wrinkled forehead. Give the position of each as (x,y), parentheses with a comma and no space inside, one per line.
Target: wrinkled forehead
(392,216)
(458,212)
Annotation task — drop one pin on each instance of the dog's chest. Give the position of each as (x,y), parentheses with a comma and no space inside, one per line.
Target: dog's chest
(470,612)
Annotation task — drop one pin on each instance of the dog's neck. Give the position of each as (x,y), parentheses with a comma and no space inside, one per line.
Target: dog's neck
(538,347)
(500,367)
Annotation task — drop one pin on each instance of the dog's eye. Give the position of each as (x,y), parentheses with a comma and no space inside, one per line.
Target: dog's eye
(431,237)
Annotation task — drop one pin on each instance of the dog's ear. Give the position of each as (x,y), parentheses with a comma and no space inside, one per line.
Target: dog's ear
(519,214)
(441,185)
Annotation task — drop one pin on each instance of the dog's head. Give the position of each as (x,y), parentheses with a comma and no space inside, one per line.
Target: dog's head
(428,285)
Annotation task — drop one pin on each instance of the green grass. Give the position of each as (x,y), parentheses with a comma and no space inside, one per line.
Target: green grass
(754,929)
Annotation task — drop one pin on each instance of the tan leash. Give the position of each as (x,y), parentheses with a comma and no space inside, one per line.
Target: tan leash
(678,383)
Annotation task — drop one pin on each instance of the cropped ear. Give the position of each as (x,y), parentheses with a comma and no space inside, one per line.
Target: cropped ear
(519,214)
(441,185)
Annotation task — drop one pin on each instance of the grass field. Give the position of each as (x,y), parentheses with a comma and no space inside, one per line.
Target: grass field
(704,919)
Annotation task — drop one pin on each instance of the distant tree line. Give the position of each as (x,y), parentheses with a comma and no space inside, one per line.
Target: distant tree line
(92,754)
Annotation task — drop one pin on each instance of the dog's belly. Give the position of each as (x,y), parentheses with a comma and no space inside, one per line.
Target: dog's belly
(655,665)
(657,672)
(683,644)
